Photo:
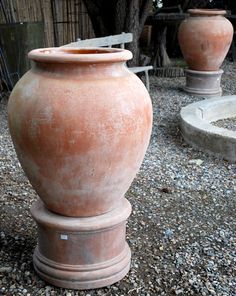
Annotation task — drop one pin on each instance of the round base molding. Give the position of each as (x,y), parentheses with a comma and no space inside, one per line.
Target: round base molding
(79,277)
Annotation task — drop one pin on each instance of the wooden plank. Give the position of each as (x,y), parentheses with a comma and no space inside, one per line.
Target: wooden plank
(103,41)
(86,24)
(48,22)
(169,16)
(140,69)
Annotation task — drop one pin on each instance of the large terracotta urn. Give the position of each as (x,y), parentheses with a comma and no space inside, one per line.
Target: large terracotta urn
(204,38)
(80,123)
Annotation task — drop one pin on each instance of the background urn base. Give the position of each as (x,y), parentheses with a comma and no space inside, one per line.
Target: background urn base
(81,253)
(203,83)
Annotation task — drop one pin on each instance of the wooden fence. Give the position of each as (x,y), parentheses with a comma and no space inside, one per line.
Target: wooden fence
(64,20)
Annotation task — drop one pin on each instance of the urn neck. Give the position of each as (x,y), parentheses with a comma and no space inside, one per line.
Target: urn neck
(87,70)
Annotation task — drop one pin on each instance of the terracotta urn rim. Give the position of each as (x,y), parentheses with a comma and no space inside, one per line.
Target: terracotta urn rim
(79,55)
(206,12)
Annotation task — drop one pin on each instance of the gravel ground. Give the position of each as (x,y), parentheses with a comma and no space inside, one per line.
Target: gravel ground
(229,123)
(182,231)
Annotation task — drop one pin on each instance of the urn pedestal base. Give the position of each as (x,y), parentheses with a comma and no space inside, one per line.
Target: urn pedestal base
(82,253)
(203,83)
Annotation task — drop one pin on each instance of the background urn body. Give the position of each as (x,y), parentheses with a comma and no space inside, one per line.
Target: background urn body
(205,38)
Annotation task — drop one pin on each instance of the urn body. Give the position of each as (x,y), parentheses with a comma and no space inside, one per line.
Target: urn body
(205,38)
(80,123)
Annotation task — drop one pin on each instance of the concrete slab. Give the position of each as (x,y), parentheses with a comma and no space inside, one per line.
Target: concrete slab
(197,128)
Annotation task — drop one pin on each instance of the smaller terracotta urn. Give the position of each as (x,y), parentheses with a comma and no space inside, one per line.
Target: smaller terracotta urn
(205,38)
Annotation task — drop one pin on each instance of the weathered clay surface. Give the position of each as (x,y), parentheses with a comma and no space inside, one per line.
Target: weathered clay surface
(203,83)
(82,253)
(205,39)
(198,131)
(80,123)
